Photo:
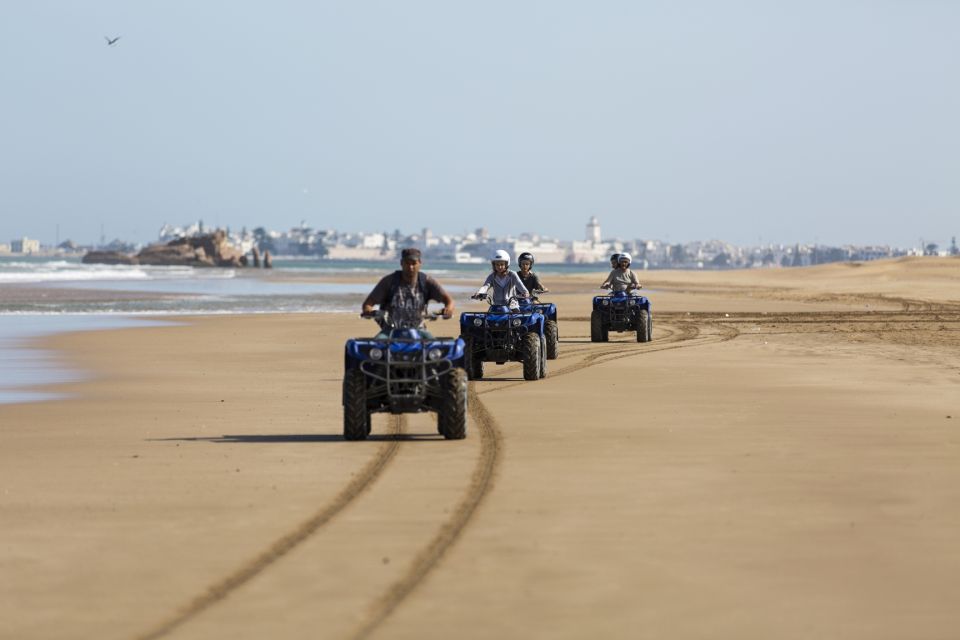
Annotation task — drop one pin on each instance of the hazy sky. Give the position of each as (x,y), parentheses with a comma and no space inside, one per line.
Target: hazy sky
(832,121)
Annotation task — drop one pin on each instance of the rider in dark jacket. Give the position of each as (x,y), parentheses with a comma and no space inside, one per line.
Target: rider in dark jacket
(406,292)
(529,279)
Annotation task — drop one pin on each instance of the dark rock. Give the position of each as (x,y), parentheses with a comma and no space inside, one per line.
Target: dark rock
(108,257)
(267,260)
(208,250)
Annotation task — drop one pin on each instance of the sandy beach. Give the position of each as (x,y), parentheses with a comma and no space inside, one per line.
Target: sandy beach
(781,461)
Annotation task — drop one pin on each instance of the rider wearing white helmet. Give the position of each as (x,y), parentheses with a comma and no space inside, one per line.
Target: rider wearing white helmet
(503,285)
(622,278)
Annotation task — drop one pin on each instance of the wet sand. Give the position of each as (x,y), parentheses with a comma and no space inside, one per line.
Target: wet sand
(782,460)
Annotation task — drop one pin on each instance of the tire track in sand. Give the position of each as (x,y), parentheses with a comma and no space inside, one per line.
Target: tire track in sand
(491,445)
(482,481)
(681,335)
(246,572)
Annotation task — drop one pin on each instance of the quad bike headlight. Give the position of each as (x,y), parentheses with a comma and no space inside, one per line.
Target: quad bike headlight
(516,322)
(434,354)
(477,322)
(633,302)
(606,303)
(376,353)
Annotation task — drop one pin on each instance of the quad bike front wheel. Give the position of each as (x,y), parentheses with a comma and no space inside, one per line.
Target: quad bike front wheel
(643,326)
(530,344)
(597,331)
(472,363)
(356,418)
(452,410)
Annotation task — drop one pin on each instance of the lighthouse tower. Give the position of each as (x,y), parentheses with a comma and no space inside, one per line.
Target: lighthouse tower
(593,230)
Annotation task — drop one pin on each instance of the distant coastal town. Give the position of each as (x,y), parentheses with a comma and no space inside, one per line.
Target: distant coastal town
(305,242)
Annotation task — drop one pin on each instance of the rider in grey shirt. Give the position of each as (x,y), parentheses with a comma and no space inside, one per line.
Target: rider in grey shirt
(503,285)
(622,278)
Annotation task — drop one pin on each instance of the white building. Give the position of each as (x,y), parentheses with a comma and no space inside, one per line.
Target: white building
(593,231)
(590,252)
(544,251)
(25,245)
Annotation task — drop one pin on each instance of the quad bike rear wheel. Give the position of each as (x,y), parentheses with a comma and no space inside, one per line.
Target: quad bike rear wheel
(530,343)
(552,332)
(356,418)
(543,356)
(452,410)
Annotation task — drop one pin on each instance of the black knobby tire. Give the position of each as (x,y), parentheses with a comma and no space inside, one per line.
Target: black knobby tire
(452,409)
(543,357)
(552,333)
(643,326)
(530,343)
(356,418)
(598,333)
(649,325)
(473,365)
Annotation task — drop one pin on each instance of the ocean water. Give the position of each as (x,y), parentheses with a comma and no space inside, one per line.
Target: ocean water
(42,296)
(24,367)
(44,286)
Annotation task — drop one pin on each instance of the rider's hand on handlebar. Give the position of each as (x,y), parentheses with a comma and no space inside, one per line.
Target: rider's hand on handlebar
(447,312)
(605,285)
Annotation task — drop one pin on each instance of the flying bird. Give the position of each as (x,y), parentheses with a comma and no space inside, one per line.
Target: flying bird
(111,42)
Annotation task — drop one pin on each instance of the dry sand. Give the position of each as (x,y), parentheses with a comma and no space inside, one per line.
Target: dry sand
(782,461)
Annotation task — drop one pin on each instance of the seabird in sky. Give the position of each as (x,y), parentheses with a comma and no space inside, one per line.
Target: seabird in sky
(111,42)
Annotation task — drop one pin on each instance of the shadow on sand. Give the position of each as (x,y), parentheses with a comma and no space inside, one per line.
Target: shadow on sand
(301,437)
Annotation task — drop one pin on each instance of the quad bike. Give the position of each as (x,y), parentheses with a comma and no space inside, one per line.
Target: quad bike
(621,311)
(503,334)
(550,328)
(406,372)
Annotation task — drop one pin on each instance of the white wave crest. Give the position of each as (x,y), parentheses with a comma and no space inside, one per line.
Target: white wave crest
(62,271)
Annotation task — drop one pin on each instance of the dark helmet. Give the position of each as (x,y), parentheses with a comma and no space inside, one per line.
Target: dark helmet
(614,259)
(526,255)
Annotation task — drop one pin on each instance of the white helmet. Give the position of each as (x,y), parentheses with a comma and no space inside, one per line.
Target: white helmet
(501,256)
(625,256)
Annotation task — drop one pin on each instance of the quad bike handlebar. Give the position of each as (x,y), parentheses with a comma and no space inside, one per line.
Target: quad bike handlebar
(632,287)
(380,315)
(487,297)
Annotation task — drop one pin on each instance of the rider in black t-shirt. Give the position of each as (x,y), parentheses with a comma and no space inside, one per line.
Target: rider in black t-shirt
(529,279)
(405,294)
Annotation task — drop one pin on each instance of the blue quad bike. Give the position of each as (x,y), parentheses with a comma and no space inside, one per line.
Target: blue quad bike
(551,330)
(502,334)
(621,311)
(405,373)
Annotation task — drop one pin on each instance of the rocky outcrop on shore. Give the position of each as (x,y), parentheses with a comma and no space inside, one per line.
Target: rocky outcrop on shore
(108,257)
(208,250)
